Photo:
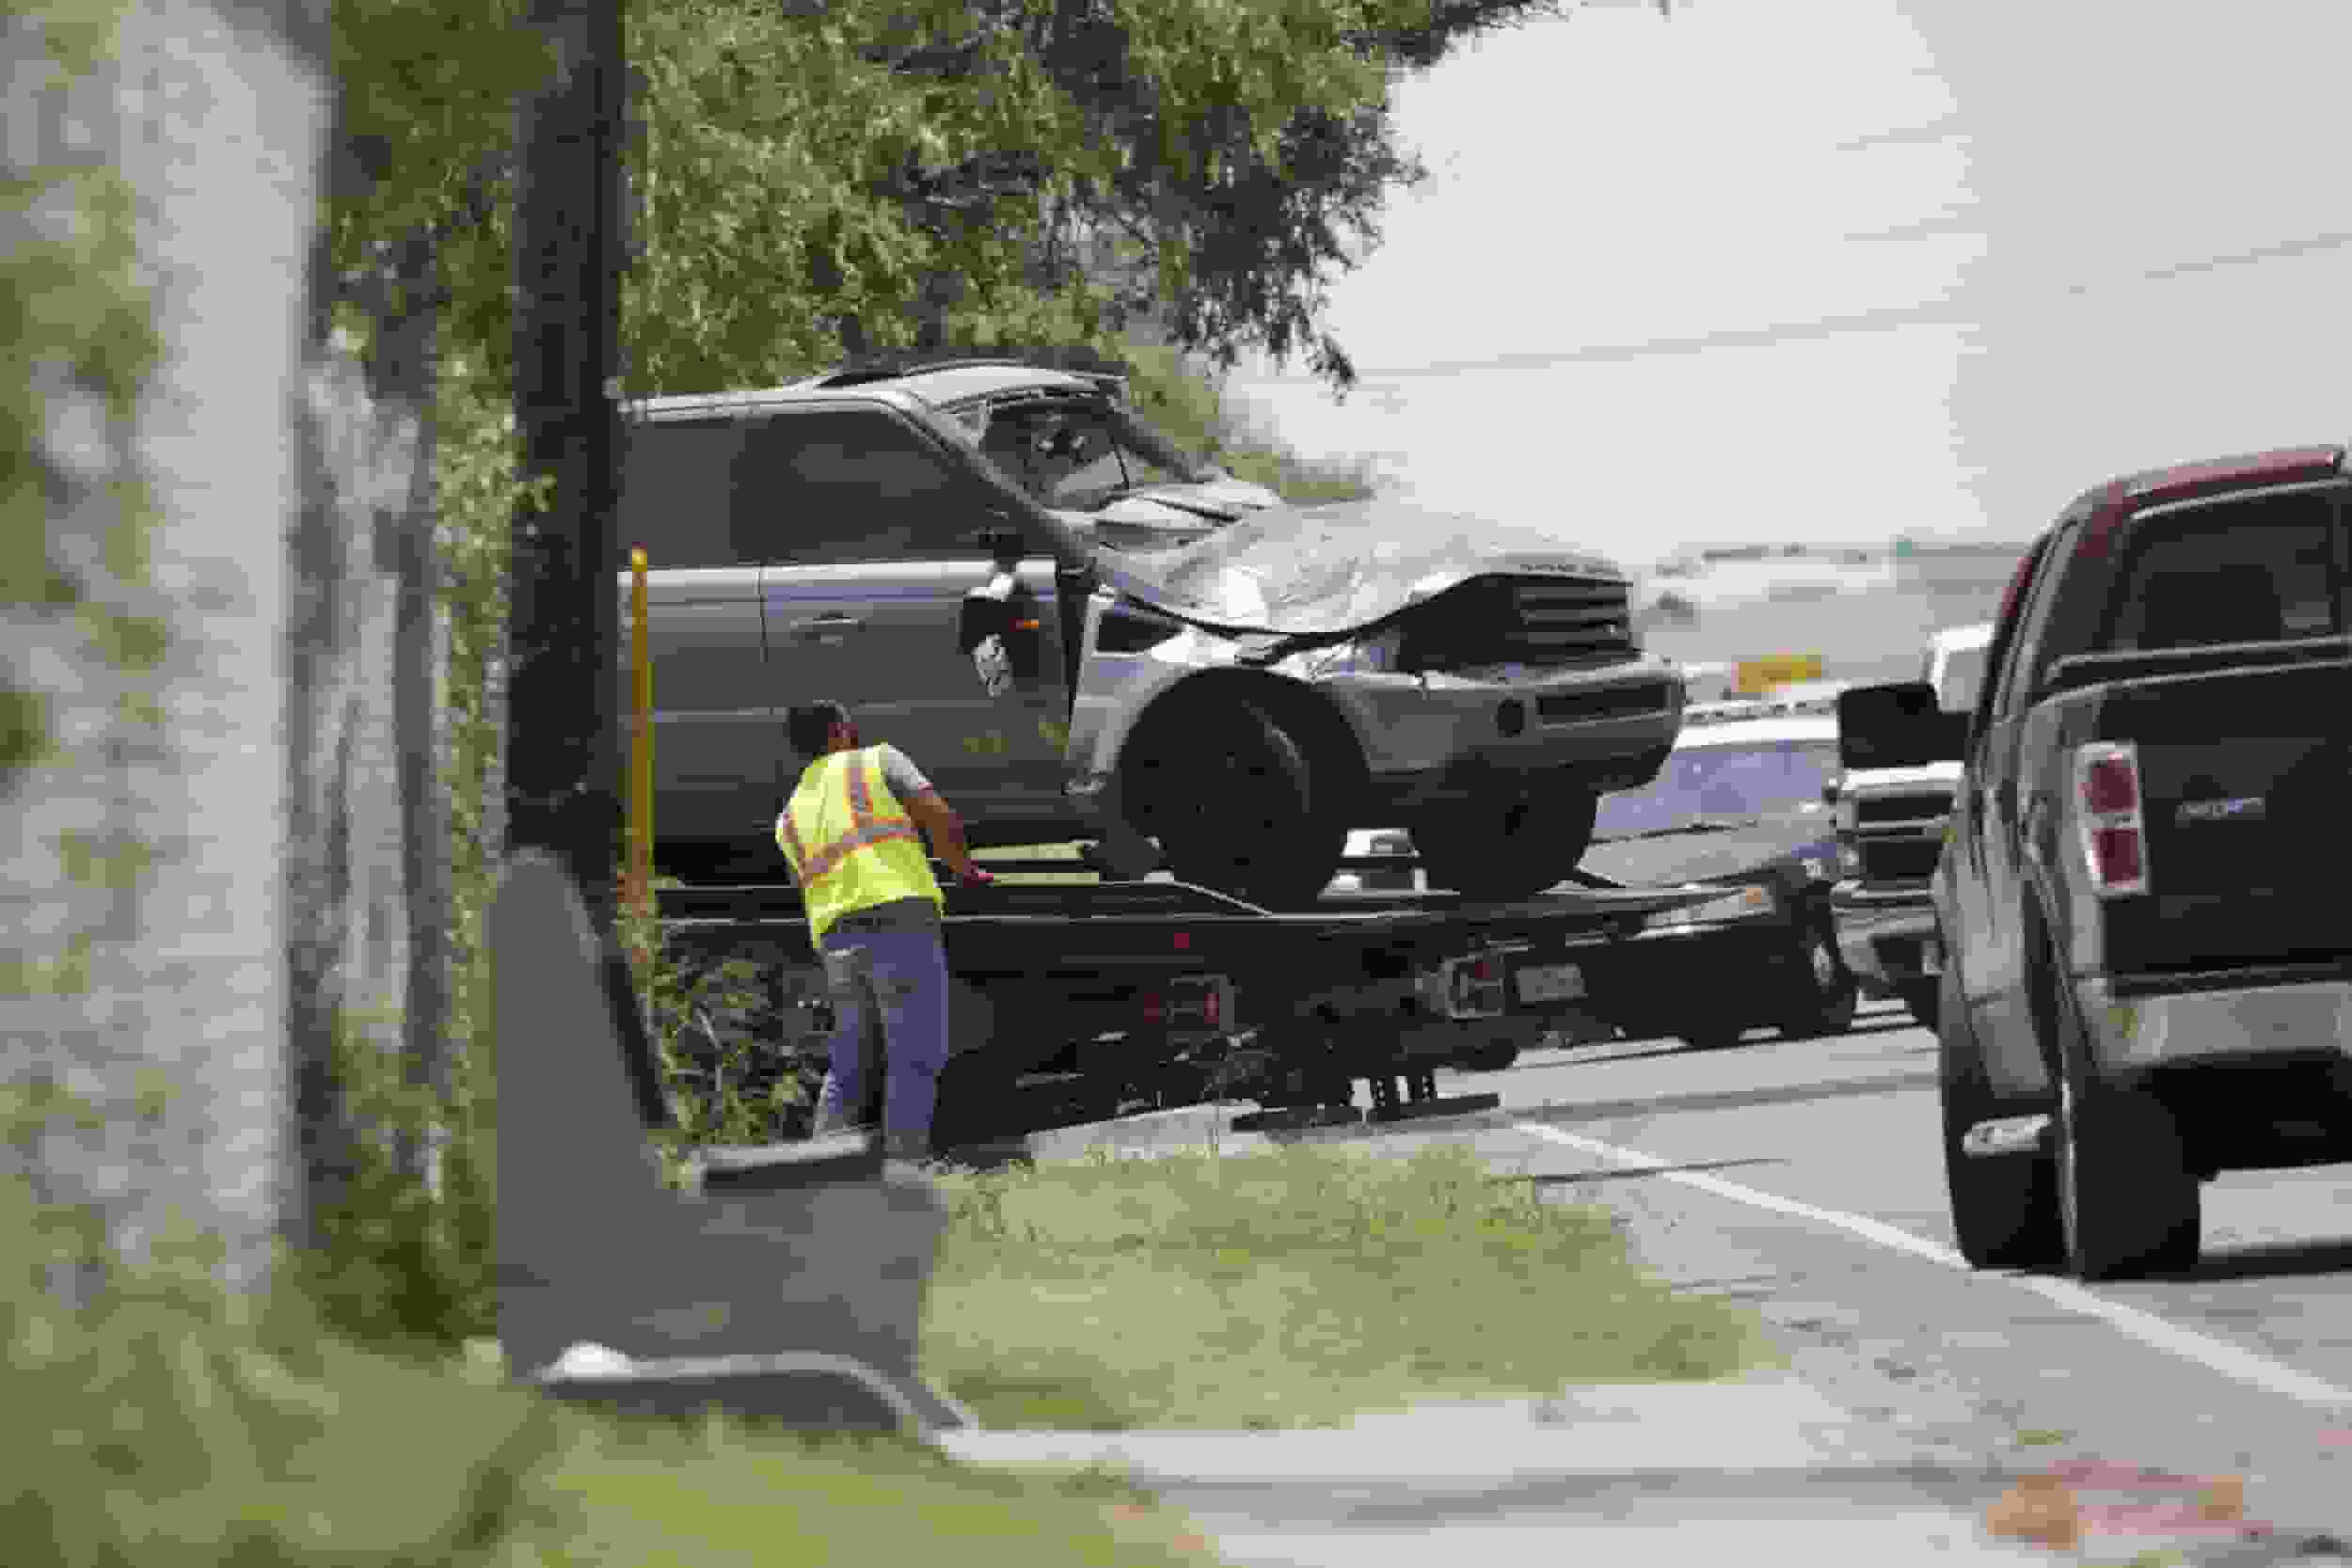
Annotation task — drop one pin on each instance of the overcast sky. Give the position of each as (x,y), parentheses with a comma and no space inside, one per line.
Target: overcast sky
(1841,269)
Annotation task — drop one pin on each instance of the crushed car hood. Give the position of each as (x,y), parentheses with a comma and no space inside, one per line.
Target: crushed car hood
(1221,500)
(1325,570)
(1781,841)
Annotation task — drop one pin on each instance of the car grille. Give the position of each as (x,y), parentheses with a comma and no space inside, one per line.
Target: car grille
(1618,701)
(1899,860)
(1901,836)
(1535,620)
(1902,808)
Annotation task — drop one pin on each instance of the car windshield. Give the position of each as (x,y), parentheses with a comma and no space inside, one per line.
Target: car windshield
(1734,779)
(1081,454)
(1964,672)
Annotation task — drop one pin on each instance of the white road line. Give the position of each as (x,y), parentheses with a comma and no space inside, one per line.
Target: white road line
(2218,1355)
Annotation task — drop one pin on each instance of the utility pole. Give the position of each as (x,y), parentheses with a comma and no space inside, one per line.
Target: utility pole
(562,770)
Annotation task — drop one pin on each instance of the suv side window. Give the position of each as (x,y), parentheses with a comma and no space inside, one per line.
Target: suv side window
(822,486)
(675,491)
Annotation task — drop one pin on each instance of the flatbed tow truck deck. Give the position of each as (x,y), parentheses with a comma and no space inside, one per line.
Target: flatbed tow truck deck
(1085,1001)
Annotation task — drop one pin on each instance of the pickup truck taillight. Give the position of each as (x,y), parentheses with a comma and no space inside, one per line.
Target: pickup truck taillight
(2113,831)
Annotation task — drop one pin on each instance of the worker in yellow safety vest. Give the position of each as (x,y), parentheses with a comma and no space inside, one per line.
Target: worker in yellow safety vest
(853,830)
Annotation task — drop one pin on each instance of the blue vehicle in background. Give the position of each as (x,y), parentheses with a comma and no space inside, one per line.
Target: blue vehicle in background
(1740,803)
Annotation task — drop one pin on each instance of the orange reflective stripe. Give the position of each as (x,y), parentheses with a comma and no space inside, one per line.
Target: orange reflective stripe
(866,830)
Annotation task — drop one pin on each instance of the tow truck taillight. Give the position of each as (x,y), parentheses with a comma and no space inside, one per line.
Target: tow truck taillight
(2113,831)
(1473,986)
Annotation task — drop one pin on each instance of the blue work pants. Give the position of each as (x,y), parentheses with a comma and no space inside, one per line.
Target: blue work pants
(896,979)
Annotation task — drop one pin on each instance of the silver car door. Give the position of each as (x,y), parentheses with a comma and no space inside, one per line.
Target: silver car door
(871,523)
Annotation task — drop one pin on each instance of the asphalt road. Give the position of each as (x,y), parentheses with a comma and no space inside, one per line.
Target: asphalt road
(1803,1176)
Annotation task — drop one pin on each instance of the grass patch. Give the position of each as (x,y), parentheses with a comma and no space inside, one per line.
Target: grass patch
(654,1495)
(1299,1287)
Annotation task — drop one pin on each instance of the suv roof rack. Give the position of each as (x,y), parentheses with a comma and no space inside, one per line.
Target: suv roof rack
(892,364)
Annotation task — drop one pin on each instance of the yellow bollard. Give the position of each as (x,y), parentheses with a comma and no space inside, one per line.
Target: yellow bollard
(641,741)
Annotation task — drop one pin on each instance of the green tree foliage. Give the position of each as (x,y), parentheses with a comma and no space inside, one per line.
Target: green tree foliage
(811,174)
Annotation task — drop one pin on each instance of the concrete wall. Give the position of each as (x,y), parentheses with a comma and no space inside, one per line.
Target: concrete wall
(215,129)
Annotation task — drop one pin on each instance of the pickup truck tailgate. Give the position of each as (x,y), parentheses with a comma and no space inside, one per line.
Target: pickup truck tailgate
(2246,780)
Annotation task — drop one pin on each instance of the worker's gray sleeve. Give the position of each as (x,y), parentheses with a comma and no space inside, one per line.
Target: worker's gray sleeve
(905,780)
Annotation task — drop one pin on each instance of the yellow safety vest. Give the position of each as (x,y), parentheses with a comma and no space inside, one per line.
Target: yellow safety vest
(852,845)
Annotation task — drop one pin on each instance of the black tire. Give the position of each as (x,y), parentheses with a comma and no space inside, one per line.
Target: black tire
(1507,840)
(1232,801)
(1831,993)
(1494,1058)
(1924,999)
(2130,1204)
(2005,1211)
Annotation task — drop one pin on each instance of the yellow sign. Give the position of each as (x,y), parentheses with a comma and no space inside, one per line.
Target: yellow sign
(1759,675)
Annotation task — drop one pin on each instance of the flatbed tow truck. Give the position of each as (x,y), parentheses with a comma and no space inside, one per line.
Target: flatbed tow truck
(1079,1002)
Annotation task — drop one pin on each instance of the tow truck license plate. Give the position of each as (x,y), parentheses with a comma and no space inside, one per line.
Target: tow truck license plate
(1551,983)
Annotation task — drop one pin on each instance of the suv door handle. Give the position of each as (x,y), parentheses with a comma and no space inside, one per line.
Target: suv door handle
(809,631)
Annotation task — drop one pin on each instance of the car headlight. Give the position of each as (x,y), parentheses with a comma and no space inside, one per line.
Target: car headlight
(1738,906)
(1849,860)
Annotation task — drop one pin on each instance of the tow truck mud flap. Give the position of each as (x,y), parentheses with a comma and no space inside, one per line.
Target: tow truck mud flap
(1420,1098)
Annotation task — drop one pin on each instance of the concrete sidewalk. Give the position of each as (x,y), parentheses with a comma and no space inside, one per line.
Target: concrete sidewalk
(1755,1470)
(1758,1471)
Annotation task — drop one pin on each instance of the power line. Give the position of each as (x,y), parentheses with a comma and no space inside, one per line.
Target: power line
(1882,318)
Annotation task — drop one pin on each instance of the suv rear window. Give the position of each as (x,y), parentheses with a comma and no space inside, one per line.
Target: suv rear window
(2258,570)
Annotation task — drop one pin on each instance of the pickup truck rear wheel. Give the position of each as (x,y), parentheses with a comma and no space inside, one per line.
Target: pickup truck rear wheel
(2130,1203)
(1507,841)
(1232,801)
(2005,1209)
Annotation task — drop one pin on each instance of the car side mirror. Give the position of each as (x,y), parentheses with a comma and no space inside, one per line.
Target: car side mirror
(999,629)
(1900,724)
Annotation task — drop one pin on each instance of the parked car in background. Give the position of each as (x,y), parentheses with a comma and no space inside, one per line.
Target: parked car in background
(1738,804)
(2148,976)
(1231,707)
(1891,818)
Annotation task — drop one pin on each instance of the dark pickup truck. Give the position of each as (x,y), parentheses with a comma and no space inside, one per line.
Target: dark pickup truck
(2148,974)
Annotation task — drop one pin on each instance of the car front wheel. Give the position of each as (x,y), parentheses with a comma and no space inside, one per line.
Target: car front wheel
(1830,995)
(1507,840)
(1233,803)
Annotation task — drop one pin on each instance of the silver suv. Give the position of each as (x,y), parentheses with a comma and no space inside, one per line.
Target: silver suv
(1220,685)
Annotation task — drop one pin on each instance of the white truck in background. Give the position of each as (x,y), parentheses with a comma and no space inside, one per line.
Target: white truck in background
(1890,831)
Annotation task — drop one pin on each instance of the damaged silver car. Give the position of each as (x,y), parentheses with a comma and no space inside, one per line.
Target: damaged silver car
(1230,707)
